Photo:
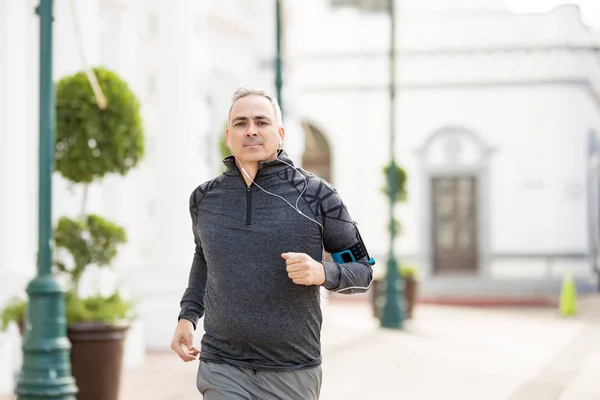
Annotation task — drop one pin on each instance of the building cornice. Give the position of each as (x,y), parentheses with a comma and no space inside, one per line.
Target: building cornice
(368,55)
(580,83)
(454,68)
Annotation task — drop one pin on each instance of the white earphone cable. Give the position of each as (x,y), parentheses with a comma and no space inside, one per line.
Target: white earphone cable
(297,209)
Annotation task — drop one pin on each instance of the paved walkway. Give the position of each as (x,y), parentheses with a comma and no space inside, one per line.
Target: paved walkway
(444,353)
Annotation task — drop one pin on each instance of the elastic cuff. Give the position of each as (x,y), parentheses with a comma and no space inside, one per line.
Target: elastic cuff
(332,275)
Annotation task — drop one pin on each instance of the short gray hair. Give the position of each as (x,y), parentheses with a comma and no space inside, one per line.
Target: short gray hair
(245,91)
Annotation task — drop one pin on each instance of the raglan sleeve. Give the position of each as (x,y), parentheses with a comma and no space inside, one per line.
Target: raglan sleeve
(192,302)
(340,233)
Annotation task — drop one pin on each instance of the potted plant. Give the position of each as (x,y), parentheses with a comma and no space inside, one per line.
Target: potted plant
(14,311)
(93,141)
(410,283)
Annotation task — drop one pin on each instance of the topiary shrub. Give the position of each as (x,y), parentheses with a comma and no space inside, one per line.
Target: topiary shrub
(92,241)
(91,142)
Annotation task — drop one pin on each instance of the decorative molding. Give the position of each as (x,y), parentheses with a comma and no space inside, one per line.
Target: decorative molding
(443,85)
(454,131)
(374,6)
(449,68)
(530,256)
(450,51)
(117,5)
(585,83)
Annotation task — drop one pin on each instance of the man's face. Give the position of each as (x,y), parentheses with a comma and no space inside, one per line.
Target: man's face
(253,134)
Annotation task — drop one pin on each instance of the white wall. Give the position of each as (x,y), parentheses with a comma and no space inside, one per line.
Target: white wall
(18,131)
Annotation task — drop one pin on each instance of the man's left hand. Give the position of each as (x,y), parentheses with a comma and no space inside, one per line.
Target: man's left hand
(303,269)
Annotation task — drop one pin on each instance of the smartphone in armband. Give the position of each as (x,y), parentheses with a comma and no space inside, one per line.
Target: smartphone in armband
(354,253)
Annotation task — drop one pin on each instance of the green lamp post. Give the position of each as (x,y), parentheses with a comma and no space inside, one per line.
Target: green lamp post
(278,58)
(46,369)
(391,315)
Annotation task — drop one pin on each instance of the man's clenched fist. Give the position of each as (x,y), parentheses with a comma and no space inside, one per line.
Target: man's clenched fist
(303,270)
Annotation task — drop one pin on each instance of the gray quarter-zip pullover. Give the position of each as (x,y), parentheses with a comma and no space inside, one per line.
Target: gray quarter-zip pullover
(254,315)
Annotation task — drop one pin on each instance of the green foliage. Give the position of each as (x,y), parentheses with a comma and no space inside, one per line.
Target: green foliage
(400,177)
(91,142)
(395,226)
(93,241)
(14,311)
(224,150)
(408,271)
(111,309)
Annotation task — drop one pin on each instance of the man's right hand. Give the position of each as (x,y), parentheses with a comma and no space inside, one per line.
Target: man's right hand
(183,341)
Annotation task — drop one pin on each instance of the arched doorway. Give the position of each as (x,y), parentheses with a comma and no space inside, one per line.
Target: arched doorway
(317,153)
(456,190)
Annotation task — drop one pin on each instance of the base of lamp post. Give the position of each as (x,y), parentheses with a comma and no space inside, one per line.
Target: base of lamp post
(392,315)
(46,370)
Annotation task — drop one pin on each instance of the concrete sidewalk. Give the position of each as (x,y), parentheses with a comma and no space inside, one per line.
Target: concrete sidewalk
(444,353)
(478,354)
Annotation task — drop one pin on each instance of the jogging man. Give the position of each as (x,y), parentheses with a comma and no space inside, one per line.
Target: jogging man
(260,229)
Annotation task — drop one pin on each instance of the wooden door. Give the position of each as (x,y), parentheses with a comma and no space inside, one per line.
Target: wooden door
(454,224)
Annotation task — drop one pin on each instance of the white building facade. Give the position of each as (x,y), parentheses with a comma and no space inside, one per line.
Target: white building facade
(494,114)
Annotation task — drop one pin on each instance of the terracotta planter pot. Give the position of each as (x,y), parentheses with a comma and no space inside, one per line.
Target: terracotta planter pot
(377,297)
(22,326)
(97,359)
(410,296)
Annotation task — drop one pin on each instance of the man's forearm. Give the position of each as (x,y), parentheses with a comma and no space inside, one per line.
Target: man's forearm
(192,302)
(347,278)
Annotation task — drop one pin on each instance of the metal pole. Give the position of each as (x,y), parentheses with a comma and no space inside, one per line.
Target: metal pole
(46,369)
(392,313)
(278,59)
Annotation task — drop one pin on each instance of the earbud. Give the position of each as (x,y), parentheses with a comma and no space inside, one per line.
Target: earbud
(228,145)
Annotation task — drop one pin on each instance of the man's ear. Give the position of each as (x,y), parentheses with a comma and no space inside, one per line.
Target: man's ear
(227,137)
(281,131)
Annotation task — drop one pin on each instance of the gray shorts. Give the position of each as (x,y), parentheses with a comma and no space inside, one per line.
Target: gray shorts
(218,381)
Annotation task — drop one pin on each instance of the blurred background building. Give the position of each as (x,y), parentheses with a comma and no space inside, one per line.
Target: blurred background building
(498,115)
(498,119)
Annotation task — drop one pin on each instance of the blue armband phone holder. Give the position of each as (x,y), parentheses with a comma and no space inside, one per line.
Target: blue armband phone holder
(353,254)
